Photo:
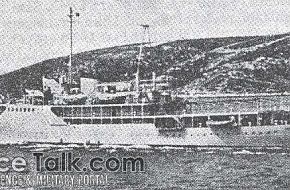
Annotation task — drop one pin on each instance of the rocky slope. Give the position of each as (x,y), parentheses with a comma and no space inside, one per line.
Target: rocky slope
(232,64)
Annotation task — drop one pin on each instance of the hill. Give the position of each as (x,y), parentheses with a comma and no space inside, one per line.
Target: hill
(231,64)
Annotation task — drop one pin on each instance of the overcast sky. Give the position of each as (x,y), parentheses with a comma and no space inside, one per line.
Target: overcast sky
(35,30)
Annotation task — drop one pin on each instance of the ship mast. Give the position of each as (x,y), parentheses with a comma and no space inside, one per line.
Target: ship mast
(71,16)
(139,58)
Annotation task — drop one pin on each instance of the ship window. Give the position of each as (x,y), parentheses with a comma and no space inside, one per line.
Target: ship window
(204,134)
(32,109)
(268,132)
(24,109)
(260,133)
(8,109)
(246,133)
(20,109)
(253,133)
(217,134)
(191,135)
(275,131)
(15,109)
(28,109)
(210,133)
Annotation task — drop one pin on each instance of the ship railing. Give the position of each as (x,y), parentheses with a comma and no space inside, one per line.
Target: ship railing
(144,110)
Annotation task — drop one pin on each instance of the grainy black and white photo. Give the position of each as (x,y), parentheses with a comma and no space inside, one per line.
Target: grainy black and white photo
(144,94)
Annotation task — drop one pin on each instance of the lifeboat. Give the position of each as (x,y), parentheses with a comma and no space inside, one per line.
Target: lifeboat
(225,123)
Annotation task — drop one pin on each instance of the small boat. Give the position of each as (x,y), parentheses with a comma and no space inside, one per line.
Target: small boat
(226,123)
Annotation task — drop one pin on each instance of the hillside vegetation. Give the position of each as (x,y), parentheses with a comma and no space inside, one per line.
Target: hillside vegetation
(232,64)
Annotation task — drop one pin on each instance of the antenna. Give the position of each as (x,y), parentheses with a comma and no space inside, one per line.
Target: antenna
(71,16)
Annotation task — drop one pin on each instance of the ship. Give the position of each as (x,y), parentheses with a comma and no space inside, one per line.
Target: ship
(145,112)
(156,124)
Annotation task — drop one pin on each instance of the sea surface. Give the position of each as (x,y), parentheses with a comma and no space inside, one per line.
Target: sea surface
(171,167)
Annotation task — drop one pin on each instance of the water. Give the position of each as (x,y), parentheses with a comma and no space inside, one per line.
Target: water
(179,168)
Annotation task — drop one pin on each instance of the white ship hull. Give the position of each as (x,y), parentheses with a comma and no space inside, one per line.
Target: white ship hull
(41,125)
(140,134)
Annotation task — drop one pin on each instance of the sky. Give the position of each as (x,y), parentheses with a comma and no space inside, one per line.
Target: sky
(35,30)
